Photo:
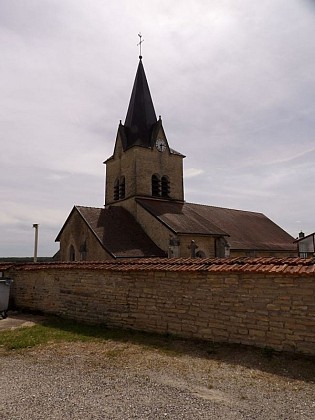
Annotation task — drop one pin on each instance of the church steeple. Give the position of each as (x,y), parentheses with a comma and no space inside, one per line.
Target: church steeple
(143,164)
(141,116)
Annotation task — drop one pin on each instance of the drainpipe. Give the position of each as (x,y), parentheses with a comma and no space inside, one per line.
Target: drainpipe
(35,225)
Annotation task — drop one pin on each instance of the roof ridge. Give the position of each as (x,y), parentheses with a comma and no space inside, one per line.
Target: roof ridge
(88,207)
(225,208)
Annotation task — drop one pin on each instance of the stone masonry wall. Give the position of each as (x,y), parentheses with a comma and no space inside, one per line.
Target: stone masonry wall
(75,233)
(276,311)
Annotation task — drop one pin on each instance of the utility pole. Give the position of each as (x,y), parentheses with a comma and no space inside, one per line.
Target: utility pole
(35,225)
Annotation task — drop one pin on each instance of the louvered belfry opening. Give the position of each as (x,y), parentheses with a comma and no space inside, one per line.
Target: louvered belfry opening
(116,190)
(160,187)
(122,188)
(165,186)
(156,189)
(119,188)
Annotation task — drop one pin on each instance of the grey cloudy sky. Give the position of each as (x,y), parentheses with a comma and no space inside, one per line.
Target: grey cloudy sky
(234,81)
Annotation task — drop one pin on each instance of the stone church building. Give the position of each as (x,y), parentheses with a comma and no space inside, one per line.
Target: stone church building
(145,214)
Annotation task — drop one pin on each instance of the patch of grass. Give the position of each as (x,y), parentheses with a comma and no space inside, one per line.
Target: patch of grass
(39,334)
(55,330)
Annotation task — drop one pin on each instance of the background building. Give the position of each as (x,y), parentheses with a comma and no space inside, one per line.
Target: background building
(306,245)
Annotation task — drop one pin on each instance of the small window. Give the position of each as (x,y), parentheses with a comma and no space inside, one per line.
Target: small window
(71,253)
(156,191)
(165,184)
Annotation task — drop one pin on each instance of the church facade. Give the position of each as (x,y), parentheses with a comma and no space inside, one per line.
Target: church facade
(145,214)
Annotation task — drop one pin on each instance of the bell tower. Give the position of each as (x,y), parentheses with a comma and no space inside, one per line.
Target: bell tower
(143,164)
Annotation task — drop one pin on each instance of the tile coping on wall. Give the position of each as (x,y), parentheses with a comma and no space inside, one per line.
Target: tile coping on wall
(264,265)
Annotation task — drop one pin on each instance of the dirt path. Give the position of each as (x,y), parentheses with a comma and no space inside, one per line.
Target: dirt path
(18,320)
(114,380)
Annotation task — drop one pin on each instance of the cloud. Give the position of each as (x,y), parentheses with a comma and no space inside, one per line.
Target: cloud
(233,81)
(192,172)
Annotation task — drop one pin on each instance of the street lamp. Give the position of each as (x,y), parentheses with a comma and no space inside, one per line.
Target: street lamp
(35,225)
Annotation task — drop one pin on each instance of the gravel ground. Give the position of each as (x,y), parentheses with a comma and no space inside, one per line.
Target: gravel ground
(114,380)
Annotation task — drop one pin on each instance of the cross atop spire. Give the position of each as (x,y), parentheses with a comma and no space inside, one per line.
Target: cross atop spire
(139,44)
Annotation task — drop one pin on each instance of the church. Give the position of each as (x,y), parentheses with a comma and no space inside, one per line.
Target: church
(145,213)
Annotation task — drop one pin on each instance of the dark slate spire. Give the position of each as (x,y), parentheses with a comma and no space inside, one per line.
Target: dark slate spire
(141,116)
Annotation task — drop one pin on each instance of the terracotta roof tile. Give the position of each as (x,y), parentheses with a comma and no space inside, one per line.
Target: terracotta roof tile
(5,266)
(286,266)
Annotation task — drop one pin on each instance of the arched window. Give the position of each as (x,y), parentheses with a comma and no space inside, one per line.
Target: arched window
(119,188)
(71,253)
(83,251)
(156,190)
(165,186)
(200,254)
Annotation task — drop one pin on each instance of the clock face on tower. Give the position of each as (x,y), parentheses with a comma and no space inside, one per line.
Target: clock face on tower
(160,144)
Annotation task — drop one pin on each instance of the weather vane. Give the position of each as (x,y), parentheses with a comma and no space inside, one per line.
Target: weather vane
(140,42)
